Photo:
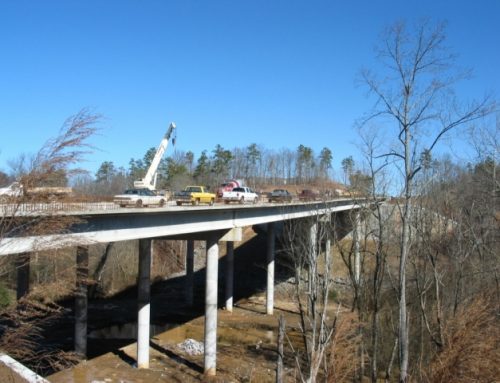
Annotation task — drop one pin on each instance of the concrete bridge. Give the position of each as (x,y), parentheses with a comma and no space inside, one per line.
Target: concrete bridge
(213,224)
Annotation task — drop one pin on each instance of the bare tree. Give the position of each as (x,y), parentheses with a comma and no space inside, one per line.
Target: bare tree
(414,97)
(59,155)
(375,231)
(313,283)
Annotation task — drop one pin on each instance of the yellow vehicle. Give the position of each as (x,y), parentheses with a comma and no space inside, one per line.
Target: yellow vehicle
(194,195)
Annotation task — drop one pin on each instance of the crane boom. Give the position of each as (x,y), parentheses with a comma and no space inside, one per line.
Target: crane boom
(149,180)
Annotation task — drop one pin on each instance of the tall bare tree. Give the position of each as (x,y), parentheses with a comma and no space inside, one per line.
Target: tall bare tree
(415,100)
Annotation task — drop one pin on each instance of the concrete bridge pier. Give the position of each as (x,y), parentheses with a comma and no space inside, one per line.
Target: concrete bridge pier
(328,246)
(270,268)
(23,274)
(144,301)
(81,300)
(312,226)
(211,304)
(229,275)
(313,238)
(189,279)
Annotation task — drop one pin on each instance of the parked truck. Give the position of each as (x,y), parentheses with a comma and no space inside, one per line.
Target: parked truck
(194,195)
(240,195)
(229,185)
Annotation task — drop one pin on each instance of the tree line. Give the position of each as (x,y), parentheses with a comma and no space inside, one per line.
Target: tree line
(257,165)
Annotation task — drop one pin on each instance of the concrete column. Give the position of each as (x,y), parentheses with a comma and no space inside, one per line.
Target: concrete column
(328,257)
(23,274)
(189,281)
(81,300)
(229,274)
(270,269)
(355,238)
(313,239)
(211,306)
(143,299)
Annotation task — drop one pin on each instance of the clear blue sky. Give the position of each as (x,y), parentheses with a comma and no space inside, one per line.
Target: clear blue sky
(278,73)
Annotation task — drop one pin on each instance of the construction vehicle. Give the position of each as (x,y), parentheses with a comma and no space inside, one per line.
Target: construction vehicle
(149,180)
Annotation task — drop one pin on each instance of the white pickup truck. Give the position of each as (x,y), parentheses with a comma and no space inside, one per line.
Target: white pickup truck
(240,195)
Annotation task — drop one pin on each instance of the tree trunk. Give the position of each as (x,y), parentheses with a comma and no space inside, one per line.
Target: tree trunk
(439,314)
(405,247)
(374,358)
(391,361)
(281,339)
(100,270)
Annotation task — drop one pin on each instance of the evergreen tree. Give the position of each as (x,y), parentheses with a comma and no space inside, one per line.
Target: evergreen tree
(202,169)
(106,172)
(220,163)
(325,162)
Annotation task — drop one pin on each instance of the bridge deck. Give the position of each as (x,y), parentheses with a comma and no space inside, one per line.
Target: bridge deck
(102,226)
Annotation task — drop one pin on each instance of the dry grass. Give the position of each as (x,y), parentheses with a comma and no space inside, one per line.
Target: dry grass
(51,292)
(343,352)
(21,336)
(472,350)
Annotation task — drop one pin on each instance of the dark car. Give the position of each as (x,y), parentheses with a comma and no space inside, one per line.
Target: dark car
(308,195)
(280,195)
